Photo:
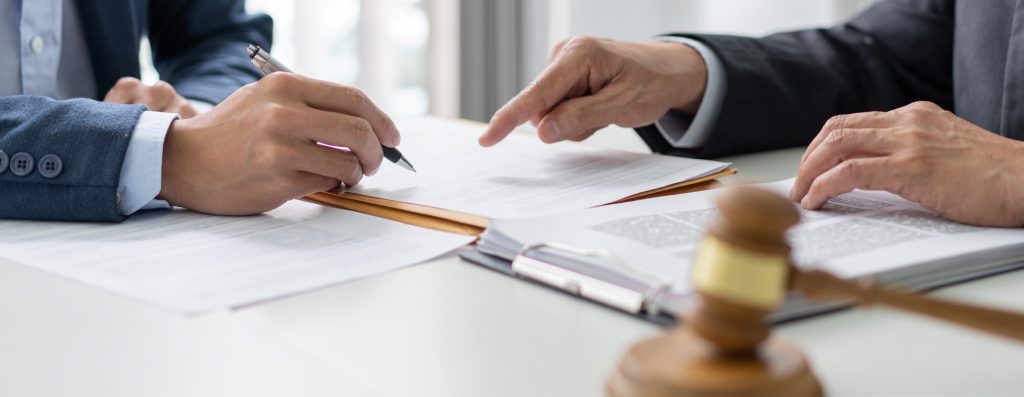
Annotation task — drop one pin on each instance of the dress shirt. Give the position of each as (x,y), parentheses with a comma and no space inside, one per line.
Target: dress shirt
(43,52)
(684,131)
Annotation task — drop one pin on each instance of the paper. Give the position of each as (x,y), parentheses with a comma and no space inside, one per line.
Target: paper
(857,234)
(191,262)
(521,176)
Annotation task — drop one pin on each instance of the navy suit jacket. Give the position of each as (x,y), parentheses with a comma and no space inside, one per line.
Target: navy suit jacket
(966,56)
(198,47)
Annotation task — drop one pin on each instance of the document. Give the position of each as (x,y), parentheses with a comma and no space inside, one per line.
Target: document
(191,262)
(858,234)
(520,177)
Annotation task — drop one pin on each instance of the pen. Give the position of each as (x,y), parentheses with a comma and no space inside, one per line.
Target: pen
(267,64)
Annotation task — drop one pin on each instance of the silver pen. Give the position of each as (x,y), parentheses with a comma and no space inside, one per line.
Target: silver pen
(267,64)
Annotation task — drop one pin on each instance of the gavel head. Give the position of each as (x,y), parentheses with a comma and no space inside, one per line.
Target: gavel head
(741,269)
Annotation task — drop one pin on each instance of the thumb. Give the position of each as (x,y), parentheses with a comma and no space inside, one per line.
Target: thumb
(577,117)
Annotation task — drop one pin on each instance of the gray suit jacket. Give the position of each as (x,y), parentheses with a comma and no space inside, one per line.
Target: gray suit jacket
(966,56)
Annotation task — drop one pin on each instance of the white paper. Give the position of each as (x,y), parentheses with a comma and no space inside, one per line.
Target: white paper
(519,177)
(191,262)
(857,234)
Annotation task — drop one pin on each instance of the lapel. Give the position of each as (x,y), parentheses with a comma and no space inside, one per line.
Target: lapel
(1012,122)
(113,29)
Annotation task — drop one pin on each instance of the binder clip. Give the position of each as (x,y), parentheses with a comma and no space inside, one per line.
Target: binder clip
(593,274)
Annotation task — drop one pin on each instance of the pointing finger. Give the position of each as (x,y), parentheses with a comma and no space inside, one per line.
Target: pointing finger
(553,85)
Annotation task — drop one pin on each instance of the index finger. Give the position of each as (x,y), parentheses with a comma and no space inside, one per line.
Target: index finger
(841,145)
(553,85)
(869,174)
(847,121)
(339,98)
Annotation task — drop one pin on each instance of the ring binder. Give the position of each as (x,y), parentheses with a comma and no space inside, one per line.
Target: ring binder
(636,292)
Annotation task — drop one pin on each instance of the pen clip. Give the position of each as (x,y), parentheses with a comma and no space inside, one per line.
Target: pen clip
(260,59)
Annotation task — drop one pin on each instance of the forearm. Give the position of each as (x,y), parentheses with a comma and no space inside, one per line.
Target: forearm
(90,139)
(783,87)
(685,130)
(201,51)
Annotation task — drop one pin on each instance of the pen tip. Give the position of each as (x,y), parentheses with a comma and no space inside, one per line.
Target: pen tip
(406,164)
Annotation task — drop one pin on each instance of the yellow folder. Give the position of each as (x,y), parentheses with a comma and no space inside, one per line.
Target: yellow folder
(472,224)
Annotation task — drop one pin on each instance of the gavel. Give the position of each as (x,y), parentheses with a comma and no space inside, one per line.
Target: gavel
(742,272)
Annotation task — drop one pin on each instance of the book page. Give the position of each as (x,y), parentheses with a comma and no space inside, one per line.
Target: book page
(856,234)
(191,262)
(521,176)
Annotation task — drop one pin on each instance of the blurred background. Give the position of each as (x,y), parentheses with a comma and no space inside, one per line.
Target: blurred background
(465,58)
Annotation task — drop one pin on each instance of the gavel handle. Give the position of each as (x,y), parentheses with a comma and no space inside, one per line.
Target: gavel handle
(820,285)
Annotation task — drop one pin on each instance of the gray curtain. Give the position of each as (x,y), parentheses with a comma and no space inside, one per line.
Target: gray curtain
(491,54)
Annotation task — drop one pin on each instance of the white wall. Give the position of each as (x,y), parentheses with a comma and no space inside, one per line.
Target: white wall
(642,19)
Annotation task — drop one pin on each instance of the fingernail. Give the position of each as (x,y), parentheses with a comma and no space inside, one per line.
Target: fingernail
(554,132)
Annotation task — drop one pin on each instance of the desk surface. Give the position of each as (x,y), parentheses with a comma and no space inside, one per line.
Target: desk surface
(446,328)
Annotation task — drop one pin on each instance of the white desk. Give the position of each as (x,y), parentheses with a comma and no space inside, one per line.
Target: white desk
(445,328)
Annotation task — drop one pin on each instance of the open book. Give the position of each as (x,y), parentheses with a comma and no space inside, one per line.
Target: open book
(652,242)
(460,186)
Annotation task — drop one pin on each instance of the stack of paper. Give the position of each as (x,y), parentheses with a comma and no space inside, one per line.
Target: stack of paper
(191,262)
(460,183)
(858,234)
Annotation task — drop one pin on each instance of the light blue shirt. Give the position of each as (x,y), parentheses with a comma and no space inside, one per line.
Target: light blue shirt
(43,52)
(676,128)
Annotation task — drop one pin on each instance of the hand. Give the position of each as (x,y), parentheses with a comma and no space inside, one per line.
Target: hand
(159,97)
(260,147)
(922,153)
(592,83)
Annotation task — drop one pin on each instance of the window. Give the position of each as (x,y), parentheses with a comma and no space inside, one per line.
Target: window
(379,46)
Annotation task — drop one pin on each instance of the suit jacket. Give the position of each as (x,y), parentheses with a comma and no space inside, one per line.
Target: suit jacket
(966,56)
(198,46)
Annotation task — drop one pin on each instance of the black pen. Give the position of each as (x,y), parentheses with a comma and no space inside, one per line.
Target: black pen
(267,64)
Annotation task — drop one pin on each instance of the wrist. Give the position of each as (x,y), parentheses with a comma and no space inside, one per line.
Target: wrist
(692,81)
(1017,156)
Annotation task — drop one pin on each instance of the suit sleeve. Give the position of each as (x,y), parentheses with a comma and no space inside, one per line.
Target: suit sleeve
(89,137)
(782,88)
(199,46)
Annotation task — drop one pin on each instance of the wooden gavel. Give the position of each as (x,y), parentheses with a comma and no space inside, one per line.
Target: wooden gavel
(819,285)
(741,274)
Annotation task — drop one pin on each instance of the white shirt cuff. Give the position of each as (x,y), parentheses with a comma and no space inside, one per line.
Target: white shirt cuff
(677,128)
(143,164)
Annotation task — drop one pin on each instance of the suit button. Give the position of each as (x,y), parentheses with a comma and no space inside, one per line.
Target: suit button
(50,166)
(3,161)
(22,163)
